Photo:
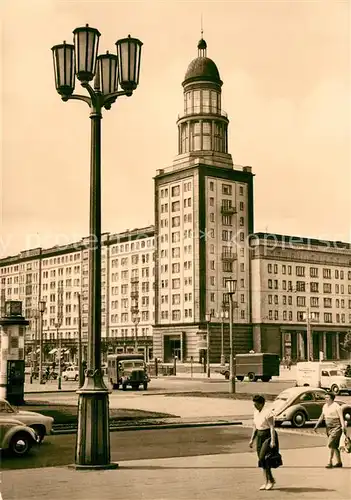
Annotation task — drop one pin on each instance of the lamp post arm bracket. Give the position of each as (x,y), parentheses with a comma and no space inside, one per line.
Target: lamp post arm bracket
(77,98)
(111,98)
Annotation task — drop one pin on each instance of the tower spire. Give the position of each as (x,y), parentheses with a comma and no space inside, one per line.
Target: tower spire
(202,45)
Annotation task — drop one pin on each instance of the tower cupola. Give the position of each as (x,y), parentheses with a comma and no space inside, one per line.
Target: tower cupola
(203,126)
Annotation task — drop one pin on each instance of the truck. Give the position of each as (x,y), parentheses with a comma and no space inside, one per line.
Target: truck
(127,370)
(255,366)
(326,375)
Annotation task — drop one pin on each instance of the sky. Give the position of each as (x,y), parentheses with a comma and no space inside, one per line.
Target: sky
(286,72)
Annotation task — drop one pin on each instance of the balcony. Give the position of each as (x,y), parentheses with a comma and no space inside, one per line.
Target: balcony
(228,210)
(203,110)
(134,295)
(134,279)
(229,256)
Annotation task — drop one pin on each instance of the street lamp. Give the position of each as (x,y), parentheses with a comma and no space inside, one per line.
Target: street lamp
(136,321)
(42,307)
(208,321)
(81,60)
(231,289)
(224,315)
(58,324)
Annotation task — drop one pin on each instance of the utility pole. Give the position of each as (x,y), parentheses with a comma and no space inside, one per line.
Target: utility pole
(80,360)
(231,287)
(309,349)
(208,321)
(58,325)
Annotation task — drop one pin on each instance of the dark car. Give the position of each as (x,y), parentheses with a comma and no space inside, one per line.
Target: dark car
(299,405)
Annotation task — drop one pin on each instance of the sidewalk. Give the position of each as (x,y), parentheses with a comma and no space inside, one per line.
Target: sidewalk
(209,477)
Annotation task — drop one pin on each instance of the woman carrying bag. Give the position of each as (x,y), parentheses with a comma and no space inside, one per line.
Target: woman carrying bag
(267,444)
(335,425)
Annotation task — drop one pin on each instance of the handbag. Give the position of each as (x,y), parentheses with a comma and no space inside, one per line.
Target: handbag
(345,443)
(273,458)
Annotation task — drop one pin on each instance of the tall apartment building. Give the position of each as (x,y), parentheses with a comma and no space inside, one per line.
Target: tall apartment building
(203,216)
(298,280)
(127,265)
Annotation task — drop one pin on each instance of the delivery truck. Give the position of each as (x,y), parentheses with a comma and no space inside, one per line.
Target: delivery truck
(255,366)
(322,374)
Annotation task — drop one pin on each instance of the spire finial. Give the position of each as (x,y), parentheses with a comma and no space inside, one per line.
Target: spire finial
(202,28)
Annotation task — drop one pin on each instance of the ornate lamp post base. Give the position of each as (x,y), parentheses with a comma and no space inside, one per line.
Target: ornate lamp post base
(93,435)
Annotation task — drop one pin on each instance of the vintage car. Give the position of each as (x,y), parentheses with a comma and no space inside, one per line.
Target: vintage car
(41,424)
(71,373)
(299,405)
(16,437)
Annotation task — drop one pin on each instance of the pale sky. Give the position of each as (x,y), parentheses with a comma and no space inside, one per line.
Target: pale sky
(286,72)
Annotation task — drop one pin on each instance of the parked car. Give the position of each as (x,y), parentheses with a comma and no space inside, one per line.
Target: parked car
(71,373)
(16,437)
(299,405)
(41,424)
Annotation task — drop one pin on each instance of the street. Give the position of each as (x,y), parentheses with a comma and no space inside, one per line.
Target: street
(149,444)
(180,384)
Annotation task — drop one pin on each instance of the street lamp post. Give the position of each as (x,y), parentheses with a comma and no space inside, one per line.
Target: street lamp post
(208,321)
(42,306)
(231,289)
(223,316)
(58,326)
(81,60)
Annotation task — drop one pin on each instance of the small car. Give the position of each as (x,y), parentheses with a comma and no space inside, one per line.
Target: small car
(41,424)
(299,405)
(71,373)
(16,437)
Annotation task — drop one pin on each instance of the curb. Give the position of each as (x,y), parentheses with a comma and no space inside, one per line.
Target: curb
(179,425)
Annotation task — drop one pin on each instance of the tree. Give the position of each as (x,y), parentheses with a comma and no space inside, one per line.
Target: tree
(346,345)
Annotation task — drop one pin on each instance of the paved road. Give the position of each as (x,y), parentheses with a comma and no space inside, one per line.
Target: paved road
(147,444)
(177,384)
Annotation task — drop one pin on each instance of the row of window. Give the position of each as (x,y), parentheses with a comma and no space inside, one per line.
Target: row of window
(314,287)
(301,316)
(313,271)
(188,297)
(124,275)
(187,265)
(314,301)
(132,246)
(144,301)
(227,189)
(204,135)
(188,281)
(126,317)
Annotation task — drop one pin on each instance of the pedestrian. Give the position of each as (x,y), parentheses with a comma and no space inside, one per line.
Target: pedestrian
(335,426)
(267,444)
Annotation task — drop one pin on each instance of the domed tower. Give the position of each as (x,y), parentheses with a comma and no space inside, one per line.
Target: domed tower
(203,127)
(203,216)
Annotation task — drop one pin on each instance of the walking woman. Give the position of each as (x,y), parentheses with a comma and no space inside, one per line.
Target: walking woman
(267,444)
(335,425)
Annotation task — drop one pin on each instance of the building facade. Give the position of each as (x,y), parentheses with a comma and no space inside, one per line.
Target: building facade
(300,283)
(203,215)
(60,274)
